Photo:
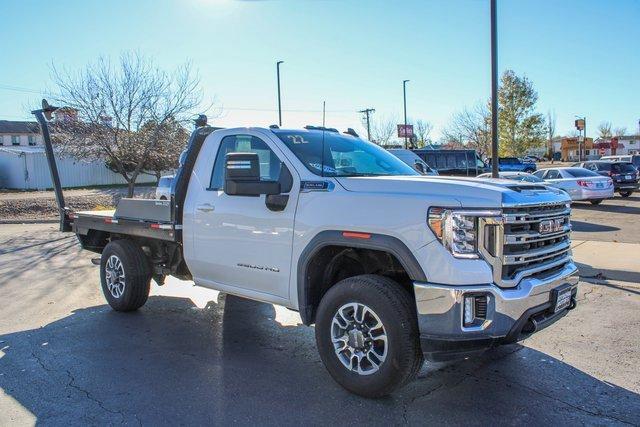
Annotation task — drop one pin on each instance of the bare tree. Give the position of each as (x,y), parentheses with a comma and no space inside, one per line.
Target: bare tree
(604,130)
(383,129)
(471,127)
(551,132)
(422,129)
(124,110)
(620,131)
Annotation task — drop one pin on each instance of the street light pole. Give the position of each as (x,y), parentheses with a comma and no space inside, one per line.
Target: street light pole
(279,102)
(404,93)
(494,90)
(582,144)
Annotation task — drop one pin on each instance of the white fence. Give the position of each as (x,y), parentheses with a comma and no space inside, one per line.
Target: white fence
(26,168)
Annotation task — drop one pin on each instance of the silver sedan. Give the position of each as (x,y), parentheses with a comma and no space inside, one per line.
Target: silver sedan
(579,183)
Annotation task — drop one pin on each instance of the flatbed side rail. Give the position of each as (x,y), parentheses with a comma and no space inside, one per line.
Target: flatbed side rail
(83,223)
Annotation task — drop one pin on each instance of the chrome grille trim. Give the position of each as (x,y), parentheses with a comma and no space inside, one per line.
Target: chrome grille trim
(516,249)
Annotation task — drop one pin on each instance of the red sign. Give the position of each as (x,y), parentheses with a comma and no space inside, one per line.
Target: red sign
(405,131)
(602,152)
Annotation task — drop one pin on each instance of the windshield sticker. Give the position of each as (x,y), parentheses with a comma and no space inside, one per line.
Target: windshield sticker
(326,168)
(297,139)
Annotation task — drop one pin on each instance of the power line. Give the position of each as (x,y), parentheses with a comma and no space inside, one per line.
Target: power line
(367,112)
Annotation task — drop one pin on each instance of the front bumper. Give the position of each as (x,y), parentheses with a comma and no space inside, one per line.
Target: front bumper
(511,315)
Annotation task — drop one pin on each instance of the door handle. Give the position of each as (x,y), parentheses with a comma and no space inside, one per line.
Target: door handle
(205,208)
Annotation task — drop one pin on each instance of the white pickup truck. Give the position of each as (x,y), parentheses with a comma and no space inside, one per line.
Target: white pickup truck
(389,265)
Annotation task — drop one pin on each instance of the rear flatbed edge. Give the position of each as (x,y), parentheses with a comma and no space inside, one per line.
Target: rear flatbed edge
(85,221)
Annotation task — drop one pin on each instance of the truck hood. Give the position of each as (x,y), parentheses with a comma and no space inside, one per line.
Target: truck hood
(469,192)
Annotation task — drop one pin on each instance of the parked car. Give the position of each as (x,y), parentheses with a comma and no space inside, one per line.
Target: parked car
(163,190)
(514,164)
(581,184)
(515,176)
(454,162)
(623,174)
(634,159)
(389,265)
(531,159)
(413,160)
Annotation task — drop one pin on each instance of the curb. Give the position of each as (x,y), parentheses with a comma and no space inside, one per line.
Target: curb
(29,221)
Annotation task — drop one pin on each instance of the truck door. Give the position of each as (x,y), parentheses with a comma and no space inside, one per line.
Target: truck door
(240,244)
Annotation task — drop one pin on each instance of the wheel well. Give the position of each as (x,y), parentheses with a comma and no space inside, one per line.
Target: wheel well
(333,263)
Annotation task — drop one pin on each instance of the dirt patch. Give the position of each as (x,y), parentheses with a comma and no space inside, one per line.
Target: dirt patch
(42,205)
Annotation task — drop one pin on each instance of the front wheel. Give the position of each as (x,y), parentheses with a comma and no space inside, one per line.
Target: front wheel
(125,275)
(367,335)
(595,202)
(626,193)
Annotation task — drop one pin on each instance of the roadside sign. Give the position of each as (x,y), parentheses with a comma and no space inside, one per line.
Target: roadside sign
(405,131)
(602,152)
(579,124)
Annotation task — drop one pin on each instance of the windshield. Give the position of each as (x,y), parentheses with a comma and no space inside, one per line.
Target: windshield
(344,155)
(622,168)
(580,173)
(526,178)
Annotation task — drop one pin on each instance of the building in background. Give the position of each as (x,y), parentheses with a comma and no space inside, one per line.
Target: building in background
(569,146)
(19,134)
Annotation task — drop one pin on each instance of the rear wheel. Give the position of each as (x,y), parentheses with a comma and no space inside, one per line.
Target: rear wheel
(367,335)
(626,193)
(125,275)
(595,202)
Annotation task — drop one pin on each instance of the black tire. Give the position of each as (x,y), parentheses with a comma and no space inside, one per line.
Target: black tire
(396,310)
(595,202)
(626,193)
(137,275)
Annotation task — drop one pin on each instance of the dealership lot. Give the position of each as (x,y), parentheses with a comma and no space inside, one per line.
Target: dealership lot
(196,356)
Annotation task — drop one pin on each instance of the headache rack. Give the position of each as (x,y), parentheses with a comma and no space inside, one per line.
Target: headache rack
(517,246)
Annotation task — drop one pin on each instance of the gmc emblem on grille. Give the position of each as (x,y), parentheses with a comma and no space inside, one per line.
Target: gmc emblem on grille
(551,225)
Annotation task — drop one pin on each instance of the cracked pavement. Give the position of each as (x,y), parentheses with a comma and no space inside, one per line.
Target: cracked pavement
(194,356)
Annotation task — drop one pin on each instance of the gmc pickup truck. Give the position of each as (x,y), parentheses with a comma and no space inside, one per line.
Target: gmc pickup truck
(392,267)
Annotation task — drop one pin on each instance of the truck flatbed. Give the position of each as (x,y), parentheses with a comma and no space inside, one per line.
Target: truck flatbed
(136,217)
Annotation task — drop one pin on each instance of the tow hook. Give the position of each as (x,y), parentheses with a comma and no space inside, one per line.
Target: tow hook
(573,303)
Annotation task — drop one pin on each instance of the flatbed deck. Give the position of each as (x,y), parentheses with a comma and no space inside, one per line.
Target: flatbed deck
(152,220)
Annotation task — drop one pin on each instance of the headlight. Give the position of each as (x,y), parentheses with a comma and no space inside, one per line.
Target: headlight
(457,229)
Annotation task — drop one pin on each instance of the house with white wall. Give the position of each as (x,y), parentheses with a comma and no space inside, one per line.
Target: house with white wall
(19,134)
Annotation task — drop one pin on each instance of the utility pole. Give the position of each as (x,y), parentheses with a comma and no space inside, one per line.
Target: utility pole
(279,103)
(494,90)
(404,92)
(367,112)
(324,104)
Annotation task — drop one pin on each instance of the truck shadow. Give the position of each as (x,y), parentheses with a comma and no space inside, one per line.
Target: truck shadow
(589,227)
(235,362)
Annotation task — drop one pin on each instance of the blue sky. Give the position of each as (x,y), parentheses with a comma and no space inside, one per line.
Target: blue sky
(582,56)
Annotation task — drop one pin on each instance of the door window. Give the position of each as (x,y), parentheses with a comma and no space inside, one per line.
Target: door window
(553,175)
(269,163)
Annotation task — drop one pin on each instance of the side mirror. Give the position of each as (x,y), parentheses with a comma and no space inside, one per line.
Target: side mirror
(242,176)
(419,167)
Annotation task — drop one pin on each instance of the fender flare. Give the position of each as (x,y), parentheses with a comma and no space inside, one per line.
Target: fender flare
(380,242)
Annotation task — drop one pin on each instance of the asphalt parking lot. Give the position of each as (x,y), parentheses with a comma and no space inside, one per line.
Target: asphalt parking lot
(614,220)
(194,356)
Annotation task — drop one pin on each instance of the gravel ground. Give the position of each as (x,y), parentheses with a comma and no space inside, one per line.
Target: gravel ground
(41,205)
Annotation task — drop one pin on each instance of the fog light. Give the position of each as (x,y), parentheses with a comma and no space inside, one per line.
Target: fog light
(468,310)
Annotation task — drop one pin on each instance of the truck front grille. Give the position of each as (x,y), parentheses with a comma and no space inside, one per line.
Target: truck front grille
(517,246)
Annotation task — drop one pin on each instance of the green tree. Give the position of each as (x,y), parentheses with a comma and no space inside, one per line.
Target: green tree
(520,128)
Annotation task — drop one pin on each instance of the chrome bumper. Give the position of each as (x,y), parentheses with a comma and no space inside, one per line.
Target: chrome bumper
(440,313)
